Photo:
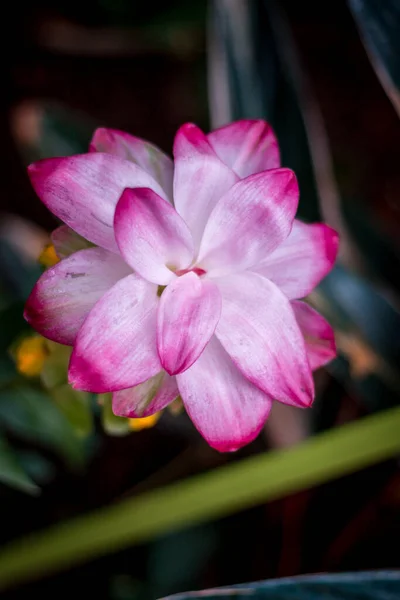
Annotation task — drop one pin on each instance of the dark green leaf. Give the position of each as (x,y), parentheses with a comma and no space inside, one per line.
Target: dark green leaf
(362,316)
(33,415)
(7,370)
(382,257)
(12,325)
(62,133)
(179,558)
(379,24)
(383,585)
(18,275)
(256,83)
(362,306)
(39,468)
(11,471)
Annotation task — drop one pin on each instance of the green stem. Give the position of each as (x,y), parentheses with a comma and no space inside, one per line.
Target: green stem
(223,491)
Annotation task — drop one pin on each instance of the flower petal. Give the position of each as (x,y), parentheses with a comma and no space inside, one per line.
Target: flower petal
(224,406)
(65,293)
(246,146)
(116,346)
(200,178)
(151,236)
(146,398)
(66,241)
(259,331)
(146,155)
(318,335)
(187,316)
(83,191)
(249,222)
(304,258)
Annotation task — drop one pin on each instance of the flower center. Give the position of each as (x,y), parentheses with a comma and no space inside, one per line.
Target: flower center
(200,272)
(196,270)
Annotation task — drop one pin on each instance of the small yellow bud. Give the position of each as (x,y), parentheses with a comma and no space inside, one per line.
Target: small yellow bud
(144,422)
(30,356)
(48,256)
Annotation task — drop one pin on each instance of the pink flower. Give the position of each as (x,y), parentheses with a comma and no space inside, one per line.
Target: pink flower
(192,286)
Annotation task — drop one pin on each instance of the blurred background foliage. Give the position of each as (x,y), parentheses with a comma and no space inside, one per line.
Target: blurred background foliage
(327,78)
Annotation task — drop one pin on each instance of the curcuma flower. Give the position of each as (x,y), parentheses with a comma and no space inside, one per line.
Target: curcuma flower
(192,282)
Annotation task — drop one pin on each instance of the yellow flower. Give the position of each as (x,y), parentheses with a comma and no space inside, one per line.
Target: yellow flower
(30,356)
(144,423)
(48,256)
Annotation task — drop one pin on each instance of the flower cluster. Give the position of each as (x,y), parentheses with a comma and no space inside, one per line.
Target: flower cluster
(183,277)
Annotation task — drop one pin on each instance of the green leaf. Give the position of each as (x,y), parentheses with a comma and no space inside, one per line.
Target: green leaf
(383,585)
(31,414)
(75,406)
(112,424)
(379,24)
(11,471)
(55,368)
(204,497)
